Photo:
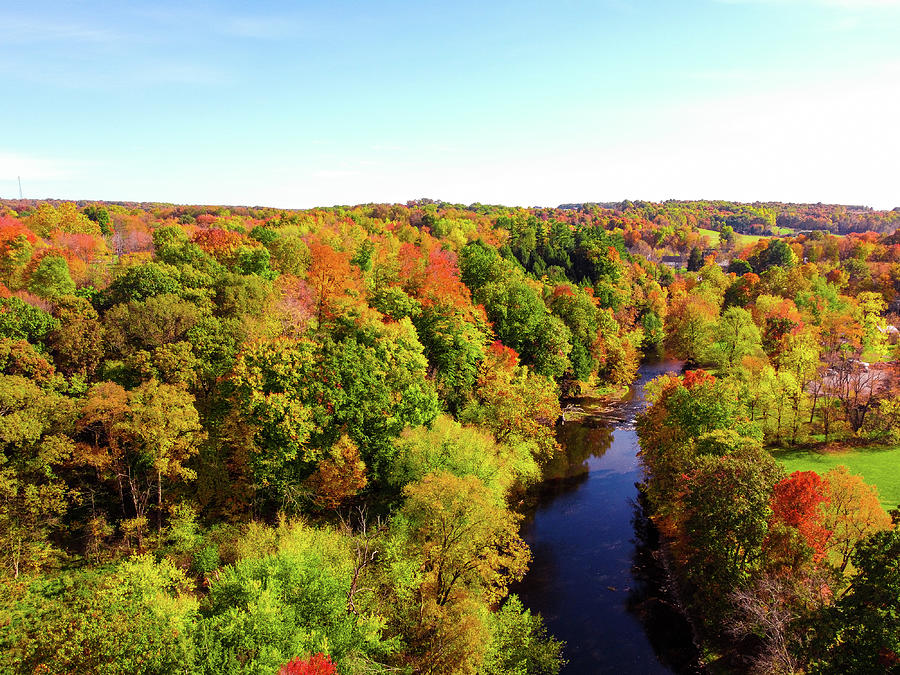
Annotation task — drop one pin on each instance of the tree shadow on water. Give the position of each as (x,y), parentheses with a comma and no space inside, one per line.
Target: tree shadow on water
(651,601)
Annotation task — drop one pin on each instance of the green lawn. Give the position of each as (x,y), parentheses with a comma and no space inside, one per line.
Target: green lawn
(879,466)
(741,240)
(712,234)
(875,357)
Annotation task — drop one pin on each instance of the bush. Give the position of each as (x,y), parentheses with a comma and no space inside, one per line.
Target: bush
(206,561)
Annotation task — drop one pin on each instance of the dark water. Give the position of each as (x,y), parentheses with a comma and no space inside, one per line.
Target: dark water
(594,576)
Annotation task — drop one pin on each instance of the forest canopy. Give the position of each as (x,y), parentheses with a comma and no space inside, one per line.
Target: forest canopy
(242,439)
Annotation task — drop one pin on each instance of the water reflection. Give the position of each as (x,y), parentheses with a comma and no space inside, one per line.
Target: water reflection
(579,442)
(594,576)
(650,600)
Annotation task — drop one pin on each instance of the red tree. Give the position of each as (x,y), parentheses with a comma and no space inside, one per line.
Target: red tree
(220,244)
(693,378)
(333,279)
(504,357)
(319,664)
(442,282)
(10,228)
(795,502)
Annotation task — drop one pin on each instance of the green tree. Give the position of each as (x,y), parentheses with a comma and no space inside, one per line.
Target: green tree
(299,395)
(33,450)
(141,282)
(140,617)
(861,631)
(51,278)
(726,515)
(739,267)
(736,336)
(461,450)
(479,265)
(522,321)
(21,321)
(776,254)
(100,216)
(263,610)
(159,320)
(695,260)
(681,423)
(290,254)
(726,235)
(520,643)
(453,346)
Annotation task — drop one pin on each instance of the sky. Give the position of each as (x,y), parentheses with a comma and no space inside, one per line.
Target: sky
(302,104)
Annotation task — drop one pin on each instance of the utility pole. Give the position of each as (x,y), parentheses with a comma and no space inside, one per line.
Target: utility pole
(20,187)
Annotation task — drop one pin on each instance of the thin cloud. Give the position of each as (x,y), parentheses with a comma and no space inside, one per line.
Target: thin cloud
(265,27)
(36,168)
(68,77)
(18,30)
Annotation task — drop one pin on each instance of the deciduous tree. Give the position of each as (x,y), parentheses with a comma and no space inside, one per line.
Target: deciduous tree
(467,539)
(852,513)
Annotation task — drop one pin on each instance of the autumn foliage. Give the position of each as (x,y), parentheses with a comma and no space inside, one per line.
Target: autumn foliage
(796,502)
(339,476)
(383,381)
(697,378)
(221,244)
(334,280)
(318,664)
(10,228)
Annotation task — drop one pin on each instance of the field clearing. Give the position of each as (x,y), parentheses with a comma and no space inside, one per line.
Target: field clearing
(879,466)
(741,240)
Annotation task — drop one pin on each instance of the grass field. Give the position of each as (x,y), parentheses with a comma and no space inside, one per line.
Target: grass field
(879,466)
(741,240)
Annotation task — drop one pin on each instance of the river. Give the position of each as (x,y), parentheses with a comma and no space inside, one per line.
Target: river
(594,576)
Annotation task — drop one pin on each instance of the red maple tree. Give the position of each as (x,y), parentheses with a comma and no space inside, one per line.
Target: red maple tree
(318,664)
(795,502)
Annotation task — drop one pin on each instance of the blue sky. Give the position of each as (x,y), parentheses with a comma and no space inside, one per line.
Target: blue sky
(530,103)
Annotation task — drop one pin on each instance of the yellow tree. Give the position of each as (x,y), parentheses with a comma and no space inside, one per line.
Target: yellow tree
(871,307)
(469,541)
(518,406)
(468,547)
(800,358)
(163,429)
(690,325)
(852,512)
(64,218)
(139,438)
